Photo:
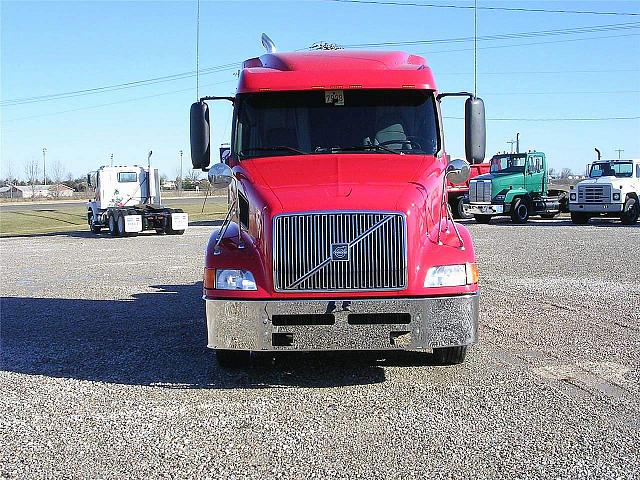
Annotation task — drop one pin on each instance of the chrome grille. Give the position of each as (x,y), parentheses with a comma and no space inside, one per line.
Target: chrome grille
(376,258)
(594,193)
(480,191)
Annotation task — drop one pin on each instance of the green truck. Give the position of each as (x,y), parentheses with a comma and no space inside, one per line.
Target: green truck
(517,185)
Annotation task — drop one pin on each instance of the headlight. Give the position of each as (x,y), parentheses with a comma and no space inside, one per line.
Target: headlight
(572,196)
(499,198)
(616,196)
(452,275)
(229,280)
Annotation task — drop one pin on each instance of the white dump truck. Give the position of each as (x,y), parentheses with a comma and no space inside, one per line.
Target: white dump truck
(612,190)
(127,202)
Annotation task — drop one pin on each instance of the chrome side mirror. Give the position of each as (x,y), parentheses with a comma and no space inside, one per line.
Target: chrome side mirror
(457,171)
(220,176)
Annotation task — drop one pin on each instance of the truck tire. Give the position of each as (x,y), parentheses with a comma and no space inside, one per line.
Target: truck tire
(580,218)
(120,222)
(631,211)
(519,211)
(482,218)
(233,358)
(449,355)
(113,225)
(457,208)
(92,224)
(168,228)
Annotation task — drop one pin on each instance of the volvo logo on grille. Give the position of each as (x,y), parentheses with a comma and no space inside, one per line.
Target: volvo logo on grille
(340,252)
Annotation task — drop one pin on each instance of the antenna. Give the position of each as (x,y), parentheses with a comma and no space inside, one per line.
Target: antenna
(268,44)
(475,48)
(198,52)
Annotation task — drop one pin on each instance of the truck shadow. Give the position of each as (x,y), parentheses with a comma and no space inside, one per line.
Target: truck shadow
(157,339)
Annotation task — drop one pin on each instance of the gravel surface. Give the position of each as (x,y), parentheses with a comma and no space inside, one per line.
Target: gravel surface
(105,374)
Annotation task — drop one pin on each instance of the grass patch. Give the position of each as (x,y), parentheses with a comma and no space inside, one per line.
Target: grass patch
(49,219)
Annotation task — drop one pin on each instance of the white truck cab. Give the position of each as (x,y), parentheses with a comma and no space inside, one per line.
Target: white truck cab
(127,201)
(612,190)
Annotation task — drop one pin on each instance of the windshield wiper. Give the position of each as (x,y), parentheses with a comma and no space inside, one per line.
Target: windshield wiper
(356,148)
(274,148)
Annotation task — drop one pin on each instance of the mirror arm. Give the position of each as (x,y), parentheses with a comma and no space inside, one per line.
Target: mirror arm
(454,94)
(231,99)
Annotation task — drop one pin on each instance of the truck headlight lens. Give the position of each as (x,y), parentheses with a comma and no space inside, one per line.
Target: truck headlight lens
(616,196)
(499,198)
(235,280)
(452,275)
(572,196)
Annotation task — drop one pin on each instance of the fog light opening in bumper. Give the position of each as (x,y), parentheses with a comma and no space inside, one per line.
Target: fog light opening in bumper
(282,339)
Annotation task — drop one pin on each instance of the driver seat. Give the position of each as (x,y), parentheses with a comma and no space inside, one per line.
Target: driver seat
(389,128)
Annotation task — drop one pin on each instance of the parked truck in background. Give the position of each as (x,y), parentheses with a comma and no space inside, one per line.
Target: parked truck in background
(127,202)
(517,185)
(337,236)
(612,190)
(458,193)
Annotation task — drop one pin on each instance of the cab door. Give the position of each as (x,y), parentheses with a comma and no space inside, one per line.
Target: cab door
(534,173)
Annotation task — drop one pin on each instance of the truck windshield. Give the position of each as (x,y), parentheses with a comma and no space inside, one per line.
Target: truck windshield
(508,163)
(612,169)
(326,121)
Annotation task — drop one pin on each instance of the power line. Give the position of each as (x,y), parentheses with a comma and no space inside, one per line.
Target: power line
(566,40)
(467,7)
(119,86)
(528,72)
(505,36)
(89,107)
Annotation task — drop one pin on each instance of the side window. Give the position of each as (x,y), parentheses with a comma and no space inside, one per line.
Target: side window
(638,170)
(127,177)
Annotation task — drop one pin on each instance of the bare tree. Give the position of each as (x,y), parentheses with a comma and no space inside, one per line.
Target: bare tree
(552,172)
(57,174)
(31,171)
(565,172)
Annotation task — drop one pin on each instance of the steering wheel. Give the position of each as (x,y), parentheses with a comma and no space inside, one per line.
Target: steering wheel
(409,142)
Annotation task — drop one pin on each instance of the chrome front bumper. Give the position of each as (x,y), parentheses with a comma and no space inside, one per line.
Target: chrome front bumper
(430,323)
(597,207)
(483,209)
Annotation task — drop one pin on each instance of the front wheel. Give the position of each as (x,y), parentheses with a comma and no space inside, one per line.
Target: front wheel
(113,226)
(482,218)
(457,208)
(449,355)
(631,211)
(580,218)
(519,211)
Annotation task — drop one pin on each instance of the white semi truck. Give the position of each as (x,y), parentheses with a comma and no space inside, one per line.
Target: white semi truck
(612,190)
(127,202)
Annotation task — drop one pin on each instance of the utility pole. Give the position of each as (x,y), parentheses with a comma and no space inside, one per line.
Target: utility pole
(180,171)
(619,150)
(44,164)
(511,142)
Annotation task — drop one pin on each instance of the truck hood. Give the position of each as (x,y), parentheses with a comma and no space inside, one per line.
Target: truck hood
(499,176)
(329,181)
(602,181)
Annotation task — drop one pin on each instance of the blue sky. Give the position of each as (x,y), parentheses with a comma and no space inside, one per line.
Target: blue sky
(58,47)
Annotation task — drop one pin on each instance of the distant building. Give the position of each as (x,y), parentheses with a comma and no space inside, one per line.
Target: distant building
(38,191)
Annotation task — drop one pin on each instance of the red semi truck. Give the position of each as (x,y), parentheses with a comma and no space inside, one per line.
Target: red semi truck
(338,235)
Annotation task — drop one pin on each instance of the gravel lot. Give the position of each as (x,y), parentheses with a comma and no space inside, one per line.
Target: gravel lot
(105,374)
